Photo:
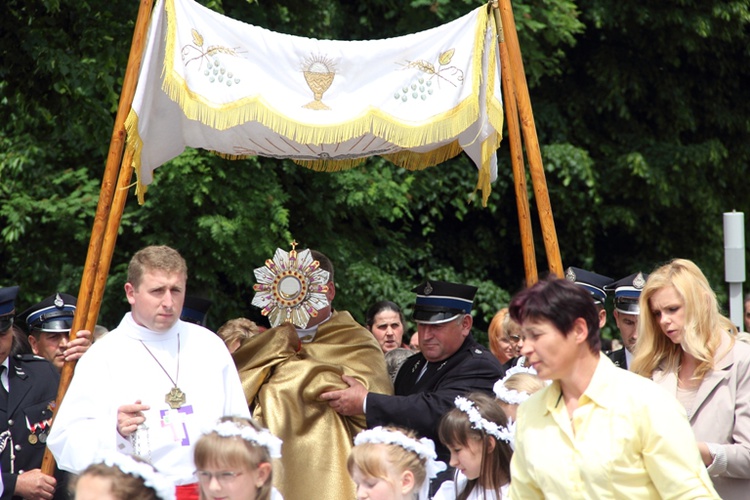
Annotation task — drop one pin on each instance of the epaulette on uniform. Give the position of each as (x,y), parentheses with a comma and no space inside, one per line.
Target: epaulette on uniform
(478,351)
(30,357)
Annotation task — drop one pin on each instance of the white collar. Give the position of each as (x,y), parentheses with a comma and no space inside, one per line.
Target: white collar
(309,333)
(138,332)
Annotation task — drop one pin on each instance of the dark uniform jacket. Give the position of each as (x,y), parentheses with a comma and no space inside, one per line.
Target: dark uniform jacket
(33,389)
(618,358)
(420,405)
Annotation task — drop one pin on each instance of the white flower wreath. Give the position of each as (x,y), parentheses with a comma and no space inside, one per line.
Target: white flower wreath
(482,424)
(512,396)
(424,447)
(262,438)
(163,487)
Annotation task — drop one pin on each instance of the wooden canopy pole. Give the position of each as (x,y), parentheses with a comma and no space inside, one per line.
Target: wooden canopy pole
(110,236)
(516,156)
(86,309)
(532,141)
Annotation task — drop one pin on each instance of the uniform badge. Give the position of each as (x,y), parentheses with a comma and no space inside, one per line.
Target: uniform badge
(427,288)
(639,282)
(59,302)
(570,275)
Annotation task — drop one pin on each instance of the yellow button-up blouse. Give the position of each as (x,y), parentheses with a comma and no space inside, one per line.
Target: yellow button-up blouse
(628,439)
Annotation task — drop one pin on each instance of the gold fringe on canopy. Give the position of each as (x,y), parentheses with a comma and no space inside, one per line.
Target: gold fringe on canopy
(214,83)
(440,127)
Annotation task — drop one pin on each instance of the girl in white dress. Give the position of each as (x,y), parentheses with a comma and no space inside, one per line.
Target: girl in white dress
(389,463)
(233,461)
(477,434)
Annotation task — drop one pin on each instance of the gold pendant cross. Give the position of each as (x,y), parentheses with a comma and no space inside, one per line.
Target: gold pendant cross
(175,398)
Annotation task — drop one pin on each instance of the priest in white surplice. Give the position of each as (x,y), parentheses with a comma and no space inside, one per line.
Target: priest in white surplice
(150,386)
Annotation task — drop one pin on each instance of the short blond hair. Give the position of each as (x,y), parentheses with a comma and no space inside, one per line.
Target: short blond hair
(524,382)
(373,459)
(155,258)
(237,329)
(213,449)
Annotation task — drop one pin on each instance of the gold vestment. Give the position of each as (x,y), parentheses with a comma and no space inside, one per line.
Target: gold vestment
(283,379)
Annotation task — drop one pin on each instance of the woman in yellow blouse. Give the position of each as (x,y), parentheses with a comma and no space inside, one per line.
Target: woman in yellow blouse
(597,432)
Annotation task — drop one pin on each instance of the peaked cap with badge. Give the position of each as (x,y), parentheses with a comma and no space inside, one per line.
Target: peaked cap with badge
(426,390)
(593,283)
(7,306)
(627,292)
(52,315)
(441,301)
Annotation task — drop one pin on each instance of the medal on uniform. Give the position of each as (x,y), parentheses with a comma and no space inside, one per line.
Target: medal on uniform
(175,398)
(43,437)
(33,438)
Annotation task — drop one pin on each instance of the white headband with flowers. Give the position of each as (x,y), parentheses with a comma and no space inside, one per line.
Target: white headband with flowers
(512,396)
(482,424)
(163,487)
(262,438)
(423,447)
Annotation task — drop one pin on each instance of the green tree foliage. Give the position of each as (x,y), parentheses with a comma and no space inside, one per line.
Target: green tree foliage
(641,109)
(60,65)
(652,96)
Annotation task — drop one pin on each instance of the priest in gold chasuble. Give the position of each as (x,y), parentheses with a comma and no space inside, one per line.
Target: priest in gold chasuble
(285,369)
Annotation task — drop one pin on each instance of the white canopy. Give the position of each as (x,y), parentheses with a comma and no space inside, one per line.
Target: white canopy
(211,82)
